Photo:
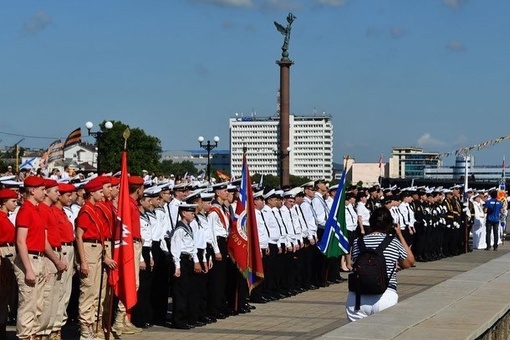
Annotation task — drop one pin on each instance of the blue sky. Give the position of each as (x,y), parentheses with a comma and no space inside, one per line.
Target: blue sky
(431,74)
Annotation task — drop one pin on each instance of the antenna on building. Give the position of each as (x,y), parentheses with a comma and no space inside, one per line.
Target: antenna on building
(323,113)
(314,112)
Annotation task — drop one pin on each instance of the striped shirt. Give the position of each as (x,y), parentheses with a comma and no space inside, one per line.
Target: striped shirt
(393,253)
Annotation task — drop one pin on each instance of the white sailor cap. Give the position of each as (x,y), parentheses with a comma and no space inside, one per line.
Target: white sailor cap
(258,194)
(152,191)
(447,191)
(220,186)
(278,193)
(231,188)
(187,207)
(7,178)
(333,187)
(289,194)
(181,187)
(166,186)
(207,196)
(269,194)
(193,195)
(297,190)
(11,183)
(310,184)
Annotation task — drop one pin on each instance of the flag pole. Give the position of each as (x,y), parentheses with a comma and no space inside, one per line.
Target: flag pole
(126,135)
(236,297)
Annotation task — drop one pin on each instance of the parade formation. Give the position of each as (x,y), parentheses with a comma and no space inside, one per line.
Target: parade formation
(180,231)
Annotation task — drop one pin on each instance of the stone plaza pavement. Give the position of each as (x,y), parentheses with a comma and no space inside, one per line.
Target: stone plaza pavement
(314,313)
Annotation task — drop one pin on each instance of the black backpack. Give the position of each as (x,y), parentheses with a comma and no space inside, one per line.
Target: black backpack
(369,276)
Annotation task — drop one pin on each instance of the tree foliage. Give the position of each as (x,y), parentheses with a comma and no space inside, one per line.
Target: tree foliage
(143,150)
(168,167)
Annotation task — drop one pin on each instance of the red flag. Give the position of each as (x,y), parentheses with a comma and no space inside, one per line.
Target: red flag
(243,240)
(123,279)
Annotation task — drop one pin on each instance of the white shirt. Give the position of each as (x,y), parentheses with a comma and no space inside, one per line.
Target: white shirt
(209,236)
(146,232)
(262,230)
(173,209)
(182,242)
(407,214)
(364,213)
(272,225)
(301,224)
(321,210)
(308,216)
(351,217)
(159,228)
(219,220)
(289,219)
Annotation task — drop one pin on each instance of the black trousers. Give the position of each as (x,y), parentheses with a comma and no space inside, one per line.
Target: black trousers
(216,301)
(184,295)
(159,288)
(142,312)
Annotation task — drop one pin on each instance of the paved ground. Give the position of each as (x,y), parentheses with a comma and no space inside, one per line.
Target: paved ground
(314,313)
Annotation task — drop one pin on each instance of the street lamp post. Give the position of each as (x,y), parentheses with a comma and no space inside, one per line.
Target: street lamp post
(98,136)
(280,158)
(208,147)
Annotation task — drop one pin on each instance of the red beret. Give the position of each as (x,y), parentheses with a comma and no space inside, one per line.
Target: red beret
(8,193)
(135,180)
(64,188)
(106,179)
(33,181)
(94,185)
(50,183)
(115,181)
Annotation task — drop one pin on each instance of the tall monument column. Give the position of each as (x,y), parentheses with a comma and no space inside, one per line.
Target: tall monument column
(284,63)
(283,153)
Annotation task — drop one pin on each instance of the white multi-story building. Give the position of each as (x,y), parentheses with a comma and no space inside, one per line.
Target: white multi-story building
(310,145)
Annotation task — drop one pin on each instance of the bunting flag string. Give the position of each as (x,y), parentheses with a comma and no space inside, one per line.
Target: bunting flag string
(464,151)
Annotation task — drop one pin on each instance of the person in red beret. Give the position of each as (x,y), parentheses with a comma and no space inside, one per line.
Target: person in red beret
(106,211)
(8,203)
(66,230)
(29,265)
(53,263)
(89,245)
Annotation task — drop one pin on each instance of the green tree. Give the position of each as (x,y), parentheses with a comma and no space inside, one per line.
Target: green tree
(168,167)
(143,150)
(296,181)
(267,181)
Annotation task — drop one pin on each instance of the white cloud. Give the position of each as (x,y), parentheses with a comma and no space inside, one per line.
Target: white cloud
(228,3)
(456,46)
(426,141)
(37,23)
(333,3)
(454,3)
